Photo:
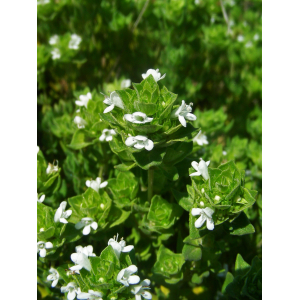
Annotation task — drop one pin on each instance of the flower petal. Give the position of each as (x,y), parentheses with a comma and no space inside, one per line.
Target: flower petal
(146,295)
(63,220)
(182,120)
(149,145)
(139,146)
(190,117)
(42,252)
(108,109)
(200,221)
(48,245)
(103,184)
(208,211)
(196,211)
(210,224)
(58,214)
(129,118)
(71,295)
(127,248)
(79,225)
(196,174)
(94,225)
(195,165)
(86,230)
(54,283)
(130,141)
(132,269)
(84,296)
(133,279)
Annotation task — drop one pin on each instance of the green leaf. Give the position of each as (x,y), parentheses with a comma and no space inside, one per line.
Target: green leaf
(177,153)
(241,225)
(146,108)
(146,159)
(118,216)
(47,234)
(228,279)
(191,253)
(241,267)
(108,254)
(81,139)
(183,199)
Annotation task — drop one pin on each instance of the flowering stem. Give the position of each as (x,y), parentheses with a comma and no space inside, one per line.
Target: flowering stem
(150,183)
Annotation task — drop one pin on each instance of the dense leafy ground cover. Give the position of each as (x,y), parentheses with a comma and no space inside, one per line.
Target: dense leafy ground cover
(210,52)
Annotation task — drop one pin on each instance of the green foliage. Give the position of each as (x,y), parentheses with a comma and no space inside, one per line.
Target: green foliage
(210,61)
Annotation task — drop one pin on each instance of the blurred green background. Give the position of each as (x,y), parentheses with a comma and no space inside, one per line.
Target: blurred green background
(211,51)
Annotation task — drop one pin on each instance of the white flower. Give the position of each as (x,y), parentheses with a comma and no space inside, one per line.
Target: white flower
(201,168)
(256,37)
(107,135)
(137,118)
(79,122)
(54,276)
(91,295)
(83,100)
(87,223)
(55,53)
(139,142)
(96,184)
(224,153)
(42,198)
(155,73)
(112,101)
(52,168)
(80,258)
(205,215)
(197,2)
(42,2)
(249,44)
(61,215)
(200,139)
(240,38)
(183,113)
(53,39)
(125,83)
(72,289)
(126,278)
(119,246)
(38,149)
(42,246)
(75,41)
(139,290)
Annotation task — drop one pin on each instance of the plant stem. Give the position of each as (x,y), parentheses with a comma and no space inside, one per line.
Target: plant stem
(150,183)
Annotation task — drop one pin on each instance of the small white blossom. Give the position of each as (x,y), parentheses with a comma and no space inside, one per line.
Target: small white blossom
(126,83)
(91,295)
(139,142)
(200,139)
(53,39)
(54,276)
(140,290)
(212,20)
(43,2)
(79,122)
(42,246)
(87,223)
(248,44)
(224,153)
(201,203)
(80,258)
(256,37)
(155,73)
(113,100)
(55,53)
(75,41)
(197,2)
(137,118)
(41,199)
(217,198)
(205,215)
(183,113)
(125,276)
(96,184)
(83,100)
(107,135)
(61,215)
(119,246)
(52,168)
(72,289)
(240,38)
(201,168)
